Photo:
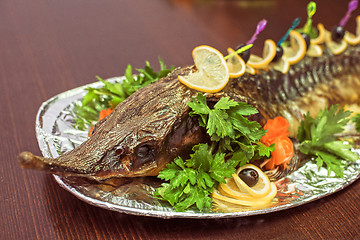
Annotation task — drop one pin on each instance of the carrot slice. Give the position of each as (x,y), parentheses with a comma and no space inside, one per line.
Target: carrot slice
(277,133)
(276,128)
(103,113)
(284,151)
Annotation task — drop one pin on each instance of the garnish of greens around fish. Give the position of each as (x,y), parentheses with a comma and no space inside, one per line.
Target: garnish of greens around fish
(356,120)
(235,140)
(111,94)
(317,138)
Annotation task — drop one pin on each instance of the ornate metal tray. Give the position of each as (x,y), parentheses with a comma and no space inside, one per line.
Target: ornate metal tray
(56,135)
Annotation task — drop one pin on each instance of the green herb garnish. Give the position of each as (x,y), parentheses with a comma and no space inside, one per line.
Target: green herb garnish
(192,181)
(111,94)
(318,139)
(234,138)
(356,120)
(226,123)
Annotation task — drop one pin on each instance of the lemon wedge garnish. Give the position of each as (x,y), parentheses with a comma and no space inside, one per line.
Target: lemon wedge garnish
(247,202)
(321,37)
(269,53)
(262,187)
(336,48)
(212,73)
(235,63)
(282,65)
(353,39)
(297,49)
(314,51)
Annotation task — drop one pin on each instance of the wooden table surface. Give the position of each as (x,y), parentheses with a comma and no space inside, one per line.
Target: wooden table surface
(49,46)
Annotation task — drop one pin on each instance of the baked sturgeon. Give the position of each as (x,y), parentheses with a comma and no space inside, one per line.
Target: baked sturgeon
(152,126)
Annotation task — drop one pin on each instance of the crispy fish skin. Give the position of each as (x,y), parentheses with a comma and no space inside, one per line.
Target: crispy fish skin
(142,135)
(310,85)
(152,126)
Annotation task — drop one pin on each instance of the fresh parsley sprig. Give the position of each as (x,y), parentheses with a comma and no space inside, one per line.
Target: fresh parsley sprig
(356,120)
(235,140)
(318,139)
(227,124)
(111,94)
(192,181)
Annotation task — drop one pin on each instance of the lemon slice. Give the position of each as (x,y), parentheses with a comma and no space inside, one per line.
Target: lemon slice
(297,49)
(314,51)
(336,48)
(269,53)
(247,202)
(230,189)
(282,65)
(250,70)
(212,73)
(235,64)
(321,37)
(262,187)
(351,38)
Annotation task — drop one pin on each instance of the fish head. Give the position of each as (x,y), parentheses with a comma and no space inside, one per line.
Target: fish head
(143,133)
(144,140)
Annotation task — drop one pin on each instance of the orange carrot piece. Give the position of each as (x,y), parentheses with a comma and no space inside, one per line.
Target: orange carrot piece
(276,128)
(103,113)
(277,133)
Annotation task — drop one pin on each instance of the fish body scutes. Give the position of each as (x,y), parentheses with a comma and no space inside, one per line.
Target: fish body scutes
(152,126)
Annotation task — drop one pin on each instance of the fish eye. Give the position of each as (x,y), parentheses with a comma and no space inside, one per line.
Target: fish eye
(143,151)
(144,154)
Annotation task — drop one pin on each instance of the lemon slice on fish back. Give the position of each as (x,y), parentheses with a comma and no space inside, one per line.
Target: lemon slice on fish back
(297,49)
(212,73)
(314,51)
(282,65)
(335,47)
(250,70)
(261,188)
(235,64)
(269,53)
(351,38)
(321,36)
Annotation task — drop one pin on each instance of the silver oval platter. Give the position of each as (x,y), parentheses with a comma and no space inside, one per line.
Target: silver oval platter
(56,135)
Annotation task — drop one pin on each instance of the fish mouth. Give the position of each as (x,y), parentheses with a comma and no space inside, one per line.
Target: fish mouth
(31,161)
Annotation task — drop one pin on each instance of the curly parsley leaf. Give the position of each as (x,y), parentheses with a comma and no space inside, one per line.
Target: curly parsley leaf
(235,139)
(111,94)
(356,120)
(227,124)
(191,181)
(318,139)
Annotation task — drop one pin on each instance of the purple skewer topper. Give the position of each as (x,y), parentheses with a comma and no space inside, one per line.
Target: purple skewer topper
(259,28)
(351,7)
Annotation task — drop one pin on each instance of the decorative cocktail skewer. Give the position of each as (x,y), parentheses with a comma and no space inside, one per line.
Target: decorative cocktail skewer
(245,55)
(338,32)
(279,49)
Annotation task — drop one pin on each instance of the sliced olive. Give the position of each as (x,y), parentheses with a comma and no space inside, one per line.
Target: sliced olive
(244,55)
(337,33)
(307,39)
(249,176)
(279,53)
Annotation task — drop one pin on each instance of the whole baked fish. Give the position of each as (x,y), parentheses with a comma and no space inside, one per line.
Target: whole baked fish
(152,127)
